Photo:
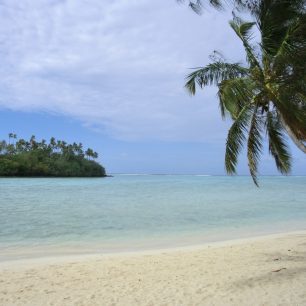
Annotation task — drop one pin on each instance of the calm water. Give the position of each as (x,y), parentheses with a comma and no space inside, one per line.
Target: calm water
(126,212)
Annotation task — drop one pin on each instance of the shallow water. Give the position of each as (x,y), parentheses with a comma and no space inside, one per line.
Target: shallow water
(129,212)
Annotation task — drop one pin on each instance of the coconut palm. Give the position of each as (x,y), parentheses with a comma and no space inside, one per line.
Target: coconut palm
(95,155)
(10,135)
(20,145)
(268,94)
(89,153)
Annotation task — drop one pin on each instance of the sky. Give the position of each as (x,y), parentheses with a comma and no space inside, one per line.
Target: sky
(110,74)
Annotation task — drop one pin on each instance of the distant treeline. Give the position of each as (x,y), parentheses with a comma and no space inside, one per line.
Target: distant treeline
(19,157)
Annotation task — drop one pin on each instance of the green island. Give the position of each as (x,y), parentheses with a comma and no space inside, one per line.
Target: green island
(22,158)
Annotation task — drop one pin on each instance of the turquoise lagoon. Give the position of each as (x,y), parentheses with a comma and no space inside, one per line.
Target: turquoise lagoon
(47,216)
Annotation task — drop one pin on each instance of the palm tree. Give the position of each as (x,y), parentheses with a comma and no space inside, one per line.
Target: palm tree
(33,143)
(13,136)
(80,149)
(268,95)
(20,145)
(43,144)
(52,144)
(95,155)
(10,135)
(89,153)
(53,141)
(58,146)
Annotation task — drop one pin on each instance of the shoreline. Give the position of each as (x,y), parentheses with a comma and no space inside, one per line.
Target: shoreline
(265,270)
(64,257)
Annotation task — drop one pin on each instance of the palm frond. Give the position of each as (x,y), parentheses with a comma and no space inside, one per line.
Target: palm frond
(236,138)
(213,74)
(289,45)
(278,147)
(197,5)
(254,145)
(274,18)
(291,52)
(234,94)
(292,107)
(243,31)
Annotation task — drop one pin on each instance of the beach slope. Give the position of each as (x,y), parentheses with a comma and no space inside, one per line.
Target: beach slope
(269,270)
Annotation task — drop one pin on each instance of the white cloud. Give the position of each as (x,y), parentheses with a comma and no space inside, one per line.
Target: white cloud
(118,66)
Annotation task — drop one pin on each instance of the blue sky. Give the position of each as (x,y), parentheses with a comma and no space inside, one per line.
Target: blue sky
(110,74)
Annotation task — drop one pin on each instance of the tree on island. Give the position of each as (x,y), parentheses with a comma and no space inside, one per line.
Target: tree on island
(268,95)
(56,158)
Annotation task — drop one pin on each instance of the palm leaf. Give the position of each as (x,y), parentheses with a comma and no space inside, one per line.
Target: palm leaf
(213,74)
(254,145)
(197,5)
(289,45)
(234,94)
(243,31)
(236,138)
(274,19)
(277,144)
(292,108)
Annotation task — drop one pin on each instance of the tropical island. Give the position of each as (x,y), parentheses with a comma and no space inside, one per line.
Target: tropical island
(32,158)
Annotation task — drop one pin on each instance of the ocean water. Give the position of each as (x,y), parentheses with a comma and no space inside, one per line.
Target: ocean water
(128,212)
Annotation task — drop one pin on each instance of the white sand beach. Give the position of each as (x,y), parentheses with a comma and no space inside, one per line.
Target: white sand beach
(268,270)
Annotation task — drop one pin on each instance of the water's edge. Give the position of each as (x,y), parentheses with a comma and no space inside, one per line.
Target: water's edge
(80,256)
(136,246)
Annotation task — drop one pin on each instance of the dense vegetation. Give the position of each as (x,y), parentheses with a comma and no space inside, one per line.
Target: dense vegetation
(266,96)
(56,159)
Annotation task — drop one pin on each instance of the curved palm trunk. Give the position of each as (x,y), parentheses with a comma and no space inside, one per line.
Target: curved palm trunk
(299,143)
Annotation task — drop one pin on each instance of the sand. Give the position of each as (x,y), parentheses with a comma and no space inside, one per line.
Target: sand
(267,270)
